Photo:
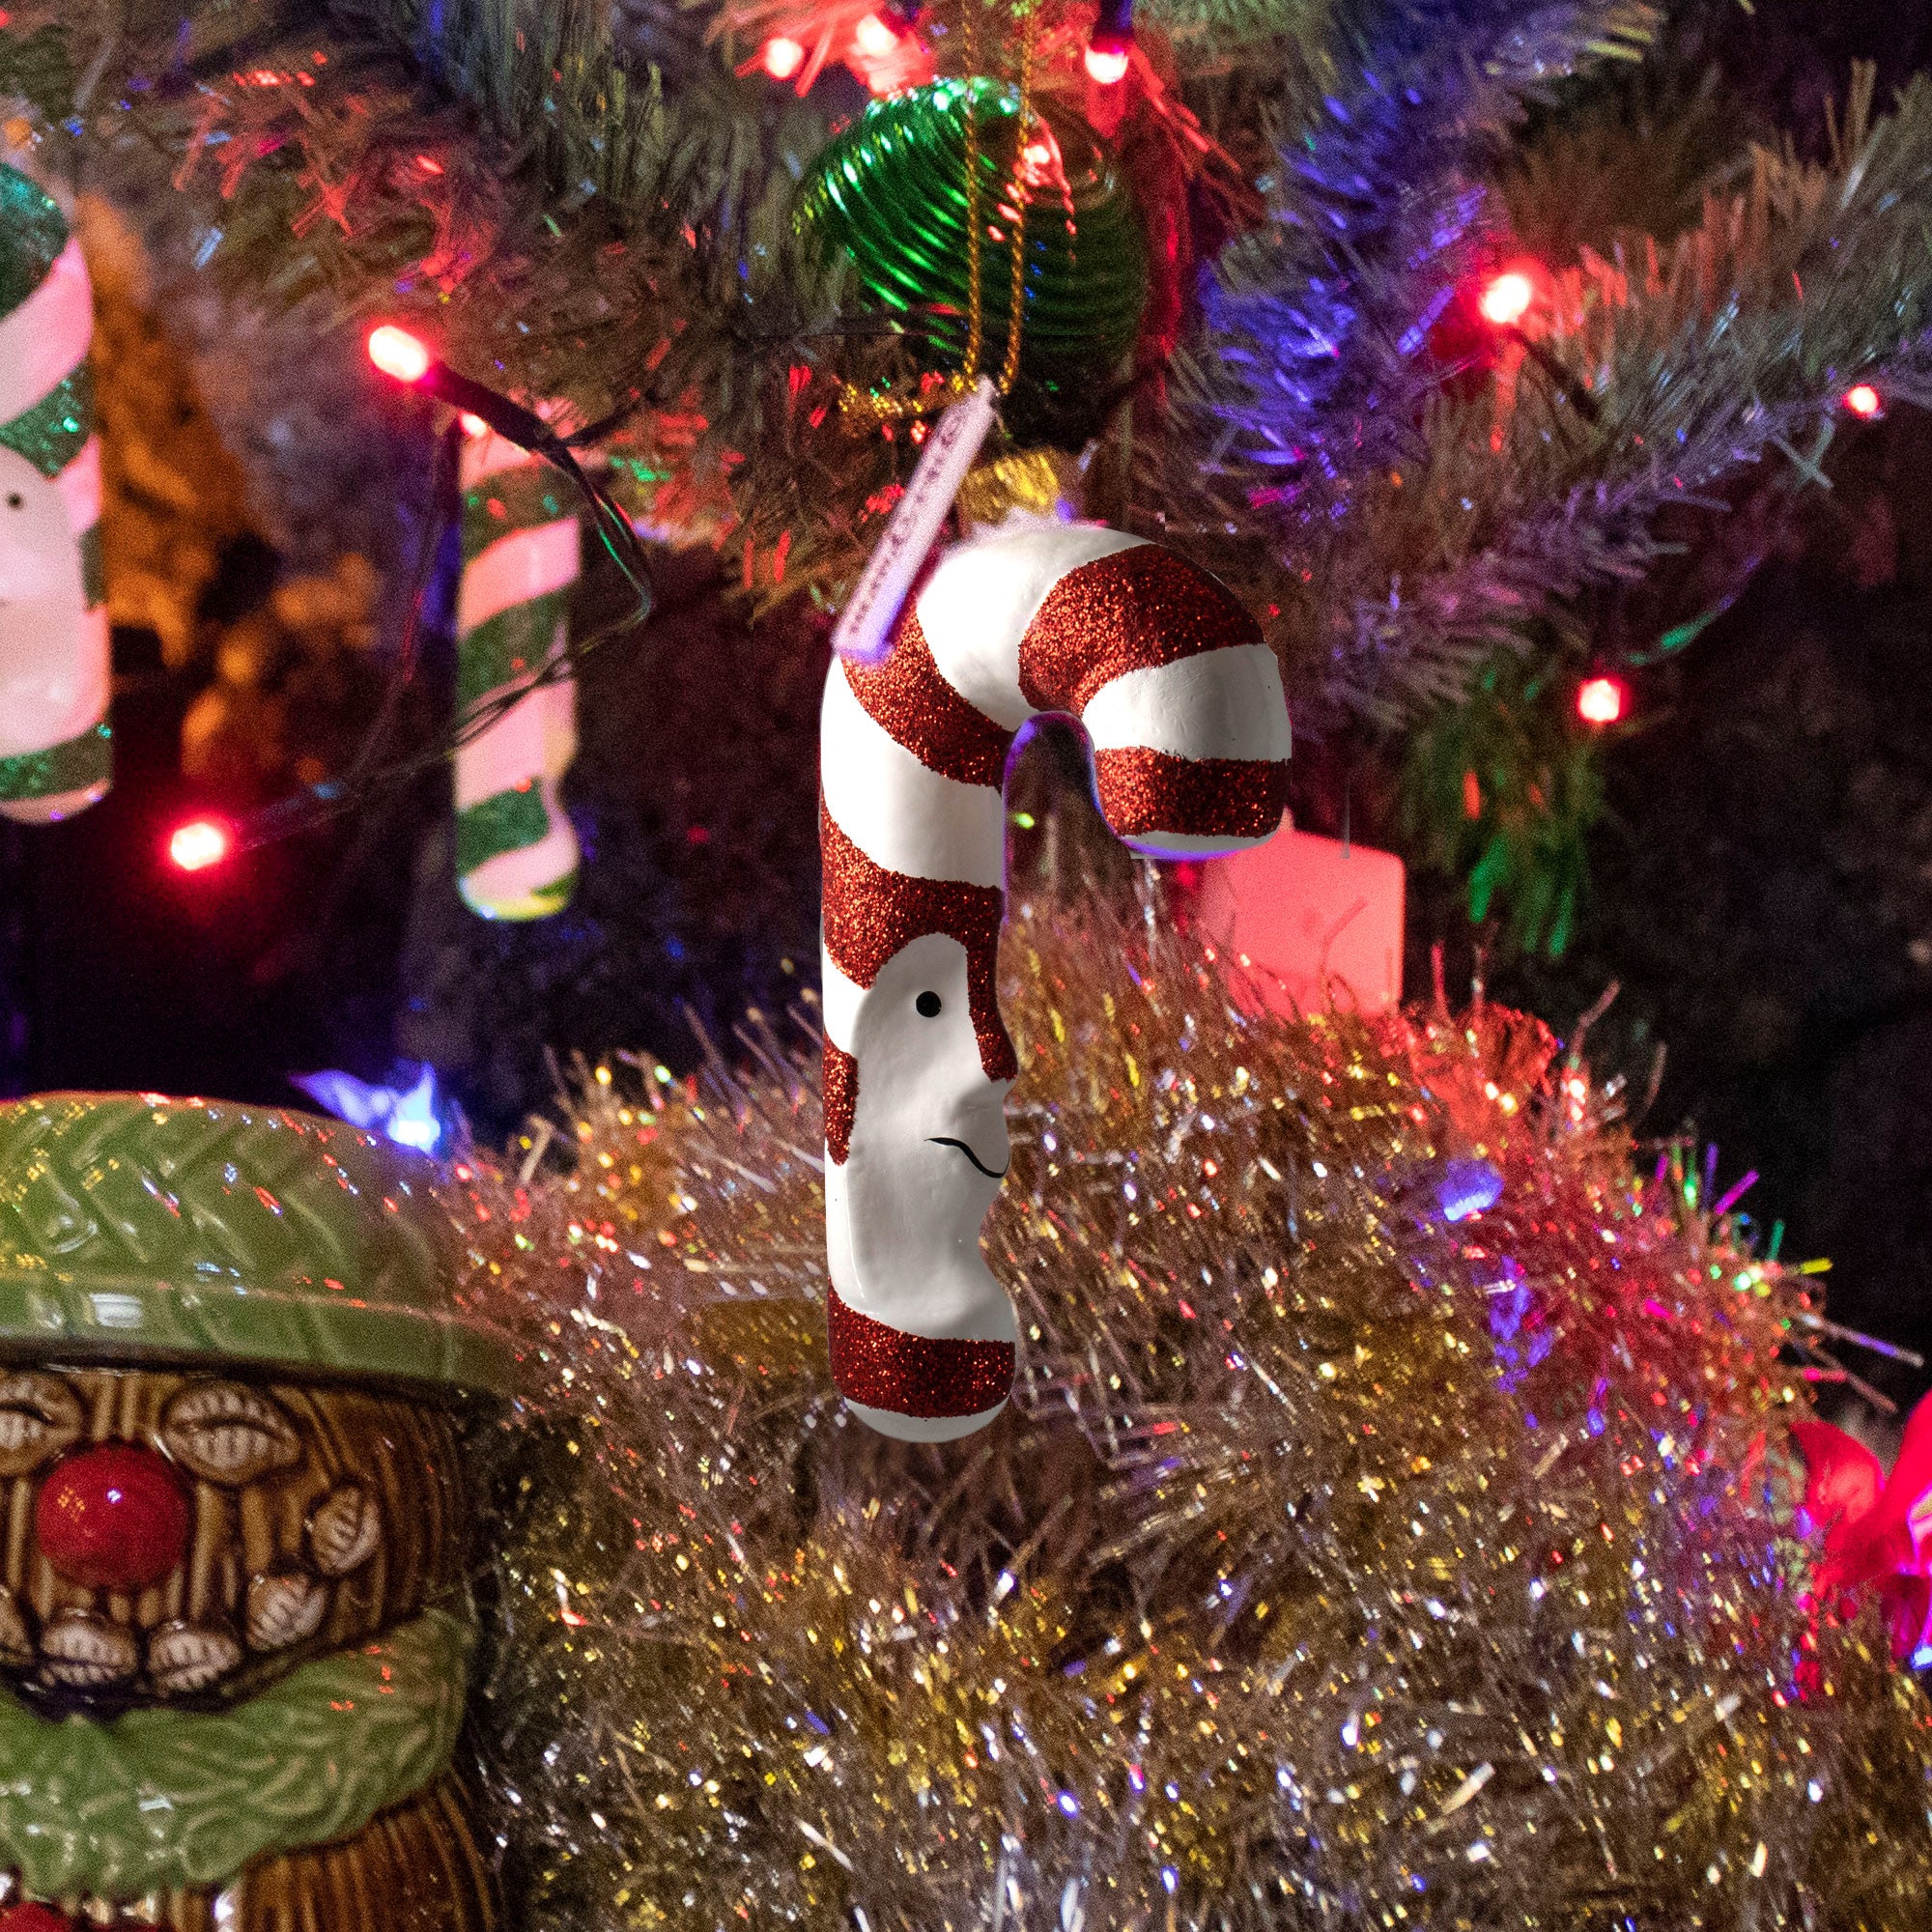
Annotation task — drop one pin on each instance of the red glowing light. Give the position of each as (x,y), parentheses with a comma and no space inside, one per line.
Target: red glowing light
(198,844)
(1507,297)
(429,164)
(472,424)
(782,57)
(1862,400)
(1601,700)
(1107,62)
(874,38)
(397,353)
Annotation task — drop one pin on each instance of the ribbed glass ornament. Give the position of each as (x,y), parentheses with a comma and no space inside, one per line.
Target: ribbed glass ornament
(890,189)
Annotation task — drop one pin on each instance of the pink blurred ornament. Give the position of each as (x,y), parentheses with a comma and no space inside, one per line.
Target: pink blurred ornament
(1843,1479)
(1313,918)
(1877,1536)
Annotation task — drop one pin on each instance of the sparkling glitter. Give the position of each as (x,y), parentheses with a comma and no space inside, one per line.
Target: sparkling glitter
(1128,611)
(914,1375)
(33,231)
(840,1079)
(906,694)
(82,765)
(871,913)
(51,432)
(1148,792)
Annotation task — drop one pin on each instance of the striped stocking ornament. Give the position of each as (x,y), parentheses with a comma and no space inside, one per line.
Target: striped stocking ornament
(1185,709)
(516,853)
(54,667)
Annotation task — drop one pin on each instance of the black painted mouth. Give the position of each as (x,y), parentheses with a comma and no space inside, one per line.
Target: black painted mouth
(991,1173)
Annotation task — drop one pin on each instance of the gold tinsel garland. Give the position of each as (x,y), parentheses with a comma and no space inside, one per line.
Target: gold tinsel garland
(1339,1565)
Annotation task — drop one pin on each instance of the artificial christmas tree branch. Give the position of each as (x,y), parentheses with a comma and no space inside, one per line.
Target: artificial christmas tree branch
(1403,527)
(1398,488)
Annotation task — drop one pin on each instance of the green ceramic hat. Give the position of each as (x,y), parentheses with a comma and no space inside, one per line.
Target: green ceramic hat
(133,1224)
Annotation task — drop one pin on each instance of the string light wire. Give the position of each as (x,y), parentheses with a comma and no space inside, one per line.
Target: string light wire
(332,798)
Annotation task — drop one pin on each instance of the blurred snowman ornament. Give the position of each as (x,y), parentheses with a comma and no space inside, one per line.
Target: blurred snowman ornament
(54,665)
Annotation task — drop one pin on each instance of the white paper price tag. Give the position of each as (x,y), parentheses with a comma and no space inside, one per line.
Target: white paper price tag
(955,440)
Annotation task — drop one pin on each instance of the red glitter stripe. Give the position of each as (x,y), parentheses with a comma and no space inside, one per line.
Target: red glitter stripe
(1128,611)
(907,695)
(1142,791)
(871,913)
(841,1084)
(914,1375)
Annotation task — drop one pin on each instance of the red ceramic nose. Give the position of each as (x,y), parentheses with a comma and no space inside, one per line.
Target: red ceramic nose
(112,1517)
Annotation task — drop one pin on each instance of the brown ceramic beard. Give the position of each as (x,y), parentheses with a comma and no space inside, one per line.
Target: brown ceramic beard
(319,1515)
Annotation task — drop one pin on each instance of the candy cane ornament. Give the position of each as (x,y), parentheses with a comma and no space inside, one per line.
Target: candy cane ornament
(1185,709)
(55,755)
(516,852)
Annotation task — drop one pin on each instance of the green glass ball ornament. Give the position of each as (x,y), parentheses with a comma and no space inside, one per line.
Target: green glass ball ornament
(890,190)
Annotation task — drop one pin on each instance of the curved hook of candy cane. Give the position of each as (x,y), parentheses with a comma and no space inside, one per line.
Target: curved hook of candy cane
(1185,709)
(56,754)
(516,850)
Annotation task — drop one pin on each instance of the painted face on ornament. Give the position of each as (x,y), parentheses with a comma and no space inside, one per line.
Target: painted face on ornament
(926,1153)
(188,1538)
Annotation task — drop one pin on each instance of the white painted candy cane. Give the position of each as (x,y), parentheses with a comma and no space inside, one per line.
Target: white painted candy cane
(516,852)
(1184,708)
(55,755)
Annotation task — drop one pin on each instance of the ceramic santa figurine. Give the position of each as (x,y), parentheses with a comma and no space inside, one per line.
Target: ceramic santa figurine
(235,1627)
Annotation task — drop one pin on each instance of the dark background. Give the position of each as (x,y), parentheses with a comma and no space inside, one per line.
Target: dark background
(1761,892)
(694,796)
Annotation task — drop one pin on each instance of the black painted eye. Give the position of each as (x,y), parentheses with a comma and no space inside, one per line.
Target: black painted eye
(14,500)
(928,1006)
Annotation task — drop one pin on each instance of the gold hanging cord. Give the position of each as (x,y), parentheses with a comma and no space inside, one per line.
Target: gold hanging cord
(861,408)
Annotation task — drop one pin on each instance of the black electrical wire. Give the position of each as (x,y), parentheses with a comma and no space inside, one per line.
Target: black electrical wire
(331,798)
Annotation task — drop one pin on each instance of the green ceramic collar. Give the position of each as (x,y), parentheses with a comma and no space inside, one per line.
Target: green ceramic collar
(161,1799)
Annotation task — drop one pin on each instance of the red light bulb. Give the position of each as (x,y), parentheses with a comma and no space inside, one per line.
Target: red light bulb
(1601,700)
(1862,400)
(112,1517)
(397,353)
(198,844)
(874,38)
(1506,298)
(1110,46)
(782,57)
